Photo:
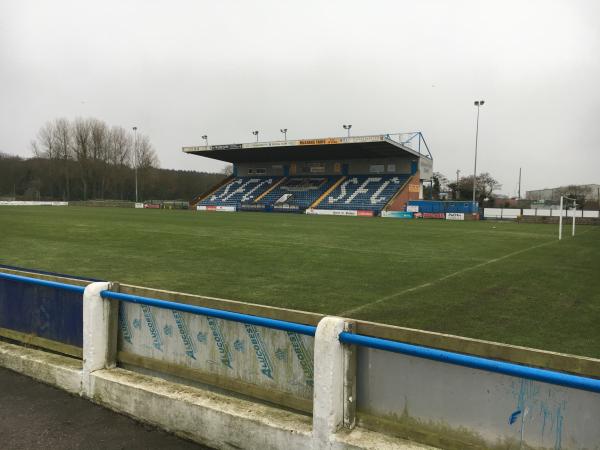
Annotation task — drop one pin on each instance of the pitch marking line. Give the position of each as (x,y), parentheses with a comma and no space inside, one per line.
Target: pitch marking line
(445,277)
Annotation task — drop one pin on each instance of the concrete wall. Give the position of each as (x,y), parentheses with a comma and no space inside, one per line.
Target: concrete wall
(414,397)
(583,217)
(261,362)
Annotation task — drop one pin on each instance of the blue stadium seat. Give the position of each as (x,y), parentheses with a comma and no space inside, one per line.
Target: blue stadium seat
(364,192)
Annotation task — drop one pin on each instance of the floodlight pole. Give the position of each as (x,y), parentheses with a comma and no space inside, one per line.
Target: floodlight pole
(255,133)
(205,137)
(284,131)
(347,128)
(135,158)
(479,104)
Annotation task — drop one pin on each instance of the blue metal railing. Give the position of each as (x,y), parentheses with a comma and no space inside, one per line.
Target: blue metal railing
(474,362)
(217,313)
(45,283)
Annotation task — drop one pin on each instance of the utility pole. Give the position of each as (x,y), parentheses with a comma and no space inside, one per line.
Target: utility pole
(519,184)
(457,190)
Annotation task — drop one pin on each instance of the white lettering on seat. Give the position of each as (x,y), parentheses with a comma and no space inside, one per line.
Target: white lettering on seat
(375,197)
(343,190)
(362,189)
(226,190)
(249,195)
(241,189)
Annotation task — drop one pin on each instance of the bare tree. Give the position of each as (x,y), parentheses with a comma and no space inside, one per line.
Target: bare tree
(82,150)
(145,160)
(101,157)
(99,135)
(120,147)
(119,152)
(62,129)
(146,156)
(45,144)
(227,170)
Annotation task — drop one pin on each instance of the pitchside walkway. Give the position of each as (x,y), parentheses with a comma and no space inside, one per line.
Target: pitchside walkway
(35,416)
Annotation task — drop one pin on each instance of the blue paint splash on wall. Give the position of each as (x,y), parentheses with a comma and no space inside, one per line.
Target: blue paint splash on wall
(513,417)
(549,412)
(558,429)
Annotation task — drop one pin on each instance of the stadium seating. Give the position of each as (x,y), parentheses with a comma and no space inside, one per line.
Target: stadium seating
(363,192)
(298,191)
(239,190)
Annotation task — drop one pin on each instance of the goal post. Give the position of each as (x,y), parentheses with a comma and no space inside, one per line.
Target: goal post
(560,217)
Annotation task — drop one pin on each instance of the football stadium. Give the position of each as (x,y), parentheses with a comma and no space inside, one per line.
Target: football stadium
(364,175)
(299,225)
(363,316)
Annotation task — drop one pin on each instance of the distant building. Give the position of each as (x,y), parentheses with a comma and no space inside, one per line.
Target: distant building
(589,191)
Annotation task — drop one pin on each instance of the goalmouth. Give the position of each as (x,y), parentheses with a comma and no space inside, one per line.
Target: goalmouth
(560,218)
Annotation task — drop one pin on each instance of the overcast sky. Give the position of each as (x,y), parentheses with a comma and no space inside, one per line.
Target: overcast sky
(181,69)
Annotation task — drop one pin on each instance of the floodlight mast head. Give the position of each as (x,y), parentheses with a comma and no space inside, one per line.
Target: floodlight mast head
(284,131)
(205,137)
(347,128)
(255,133)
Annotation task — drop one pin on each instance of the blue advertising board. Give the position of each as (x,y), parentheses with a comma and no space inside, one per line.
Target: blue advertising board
(45,312)
(397,214)
(439,206)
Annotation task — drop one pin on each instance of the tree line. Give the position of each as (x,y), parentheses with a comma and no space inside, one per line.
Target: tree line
(462,189)
(86,159)
(586,196)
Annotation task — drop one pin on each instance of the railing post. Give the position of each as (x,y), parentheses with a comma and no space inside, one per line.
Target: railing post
(350,353)
(334,389)
(99,332)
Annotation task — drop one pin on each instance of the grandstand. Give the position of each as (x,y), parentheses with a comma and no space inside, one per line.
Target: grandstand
(361,175)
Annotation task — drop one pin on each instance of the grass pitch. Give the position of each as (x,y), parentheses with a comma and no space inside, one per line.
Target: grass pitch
(506,282)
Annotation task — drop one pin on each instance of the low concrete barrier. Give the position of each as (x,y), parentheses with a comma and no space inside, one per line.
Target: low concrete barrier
(31,203)
(358,396)
(554,220)
(583,217)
